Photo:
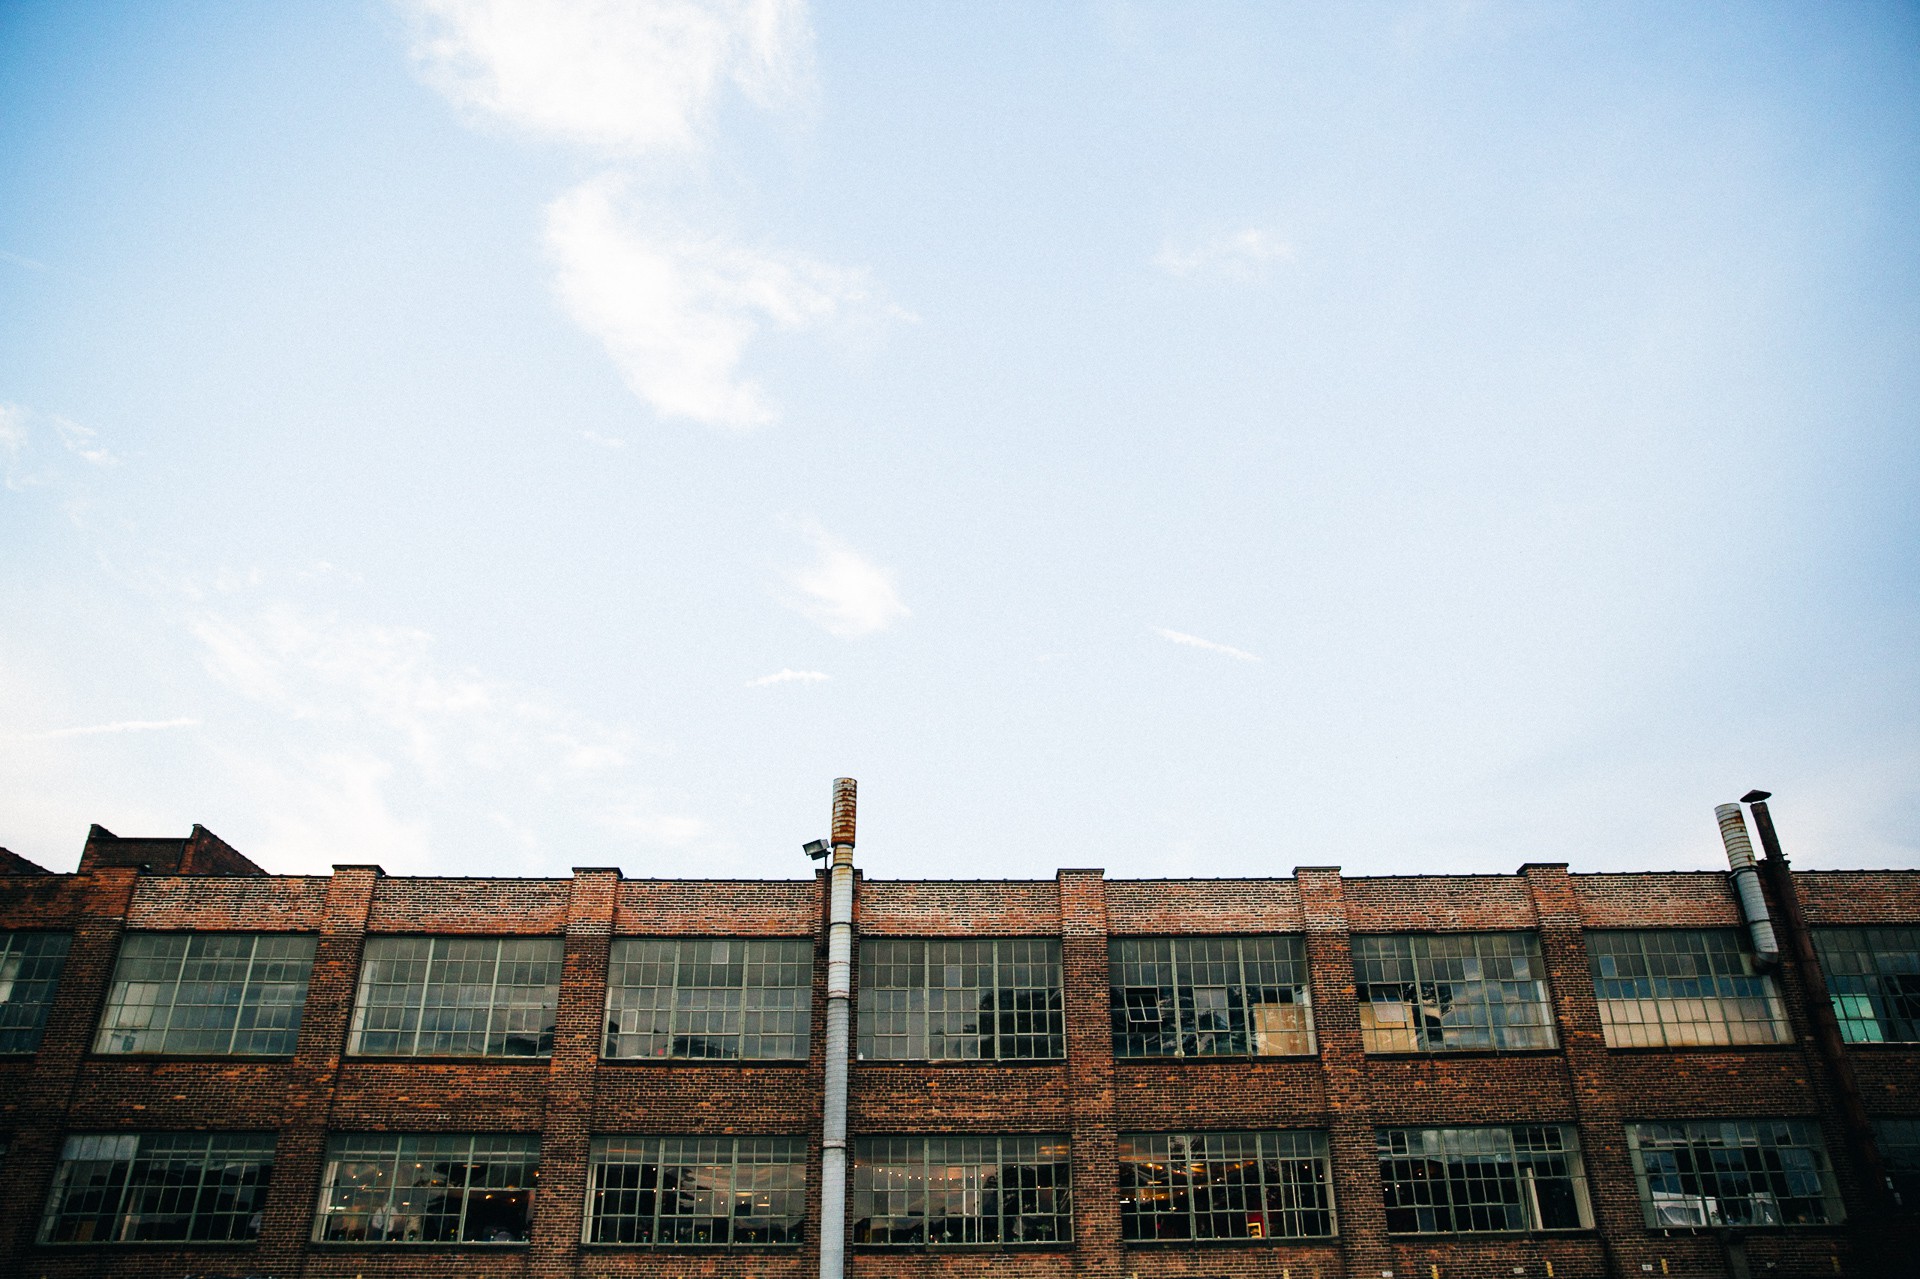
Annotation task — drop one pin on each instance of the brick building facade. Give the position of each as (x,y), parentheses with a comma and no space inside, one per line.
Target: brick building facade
(1307,1077)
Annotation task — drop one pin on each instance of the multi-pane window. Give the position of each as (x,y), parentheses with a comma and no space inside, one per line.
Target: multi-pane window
(712,1192)
(1225,1185)
(916,1192)
(1899,1142)
(1873,976)
(1452,992)
(1683,987)
(726,998)
(1741,1172)
(458,996)
(1458,1180)
(142,1187)
(982,999)
(1209,996)
(429,1189)
(30,965)
(206,993)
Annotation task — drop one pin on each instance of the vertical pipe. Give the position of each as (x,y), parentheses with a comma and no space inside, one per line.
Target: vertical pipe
(833,1135)
(1746,884)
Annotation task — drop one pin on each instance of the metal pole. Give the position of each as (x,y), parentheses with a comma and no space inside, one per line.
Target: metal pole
(833,1135)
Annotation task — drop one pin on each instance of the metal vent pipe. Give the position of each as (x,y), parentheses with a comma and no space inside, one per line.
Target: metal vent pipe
(833,1128)
(1746,884)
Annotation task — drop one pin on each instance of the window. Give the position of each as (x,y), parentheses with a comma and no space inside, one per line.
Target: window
(1452,992)
(30,965)
(133,1187)
(1873,976)
(727,999)
(1743,1172)
(1210,997)
(713,1192)
(912,1192)
(1681,988)
(979,1000)
(444,1188)
(1225,1185)
(1899,1142)
(206,993)
(1459,1180)
(458,996)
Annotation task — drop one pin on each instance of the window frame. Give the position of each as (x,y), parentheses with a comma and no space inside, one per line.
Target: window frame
(352,1147)
(1809,1139)
(1843,967)
(919,1002)
(248,986)
(31,1029)
(1419,1025)
(1527,1188)
(1189,1148)
(915,1177)
(1185,1003)
(657,1147)
(148,1155)
(1734,943)
(746,1012)
(419,1006)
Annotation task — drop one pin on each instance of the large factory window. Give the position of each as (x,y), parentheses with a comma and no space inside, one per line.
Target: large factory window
(976,1000)
(709,998)
(1741,1172)
(1452,992)
(207,993)
(154,1187)
(1225,1185)
(1873,976)
(929,1192)
(30,965)
(1210,996)
(1683,987)
(1465,1180)
(1899,1142)
(427,1189)
(458,997)
(703,1192)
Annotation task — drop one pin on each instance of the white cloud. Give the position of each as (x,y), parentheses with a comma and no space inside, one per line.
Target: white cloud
(29,263)
(1194,641)
(622,77)
(1240,256)
(843,591)
(787,675)
(676,310)
(81,442)
(118,726)
(608,442)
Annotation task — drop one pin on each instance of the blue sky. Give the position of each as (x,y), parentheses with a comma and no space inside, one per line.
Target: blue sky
(488,436)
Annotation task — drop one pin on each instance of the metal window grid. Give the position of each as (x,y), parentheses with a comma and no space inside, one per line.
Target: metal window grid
(981,999)
(931,1192)
(1210,996)
(1452,992)
(1683,987)
(30,965)
(1873,978)
(428,1189)
(154,1187)
(207,993)
(1899,1142)
(1741,1172)
(1462,1180)
(709,998)
(713,1192)
(1225,1185)
(458,996)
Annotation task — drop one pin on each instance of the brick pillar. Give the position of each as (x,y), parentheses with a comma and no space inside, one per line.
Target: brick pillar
(1336,1018)
(579,1026)
(1096,1188)
(40,1121)
(294,1191)
(1603,1139)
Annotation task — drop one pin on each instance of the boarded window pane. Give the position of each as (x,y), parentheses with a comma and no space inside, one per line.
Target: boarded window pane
(1210,996)
(1683,987)
(1452,992)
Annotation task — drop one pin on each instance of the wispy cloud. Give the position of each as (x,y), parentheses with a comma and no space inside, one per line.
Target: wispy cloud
(1194,641)
(28,465)
(787,675)
(1240,256)
(609,442)
(17,260)
(843,591)
(118,726)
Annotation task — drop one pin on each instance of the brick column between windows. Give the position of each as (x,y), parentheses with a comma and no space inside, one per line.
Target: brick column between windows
(559,1205)
(293,1192)
(40,1122)
(1096,1188)
(1343,1064)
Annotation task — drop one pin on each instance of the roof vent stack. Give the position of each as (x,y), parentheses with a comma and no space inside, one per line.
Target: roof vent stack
(1746,884)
